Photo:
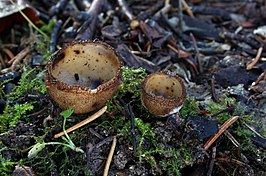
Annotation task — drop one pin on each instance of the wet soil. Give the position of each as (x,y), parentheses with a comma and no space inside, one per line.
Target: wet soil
(211,50)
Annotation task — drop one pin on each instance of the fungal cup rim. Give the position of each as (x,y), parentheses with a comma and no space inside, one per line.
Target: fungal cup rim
(61,85)
(179,99)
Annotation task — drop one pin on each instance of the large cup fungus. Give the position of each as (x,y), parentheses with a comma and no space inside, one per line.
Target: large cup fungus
(83,75)
(162,94)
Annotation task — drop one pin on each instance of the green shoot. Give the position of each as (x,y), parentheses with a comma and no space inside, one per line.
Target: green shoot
(68,142)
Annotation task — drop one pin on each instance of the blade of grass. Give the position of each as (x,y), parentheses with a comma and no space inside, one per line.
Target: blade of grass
(29,21)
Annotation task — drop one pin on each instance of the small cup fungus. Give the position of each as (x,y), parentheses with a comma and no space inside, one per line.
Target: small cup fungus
(162,94)
(83,75)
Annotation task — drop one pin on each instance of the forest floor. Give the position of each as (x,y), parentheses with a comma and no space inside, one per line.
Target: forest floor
(216,47)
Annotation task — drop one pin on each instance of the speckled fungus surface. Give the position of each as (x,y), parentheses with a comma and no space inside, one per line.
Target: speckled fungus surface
(83,75)
(162,94)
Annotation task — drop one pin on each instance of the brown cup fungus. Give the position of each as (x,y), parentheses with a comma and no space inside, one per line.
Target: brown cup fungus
(83,75)
(162,94)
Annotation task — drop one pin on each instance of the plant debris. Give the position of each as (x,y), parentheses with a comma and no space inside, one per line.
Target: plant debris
(216,47)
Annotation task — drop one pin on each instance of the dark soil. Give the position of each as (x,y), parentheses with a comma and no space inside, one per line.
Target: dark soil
(212,49)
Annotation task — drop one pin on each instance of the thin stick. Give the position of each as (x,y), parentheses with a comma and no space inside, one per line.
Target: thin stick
(84,122)
(17,59)
(180,15)
(125,9)
(110,156)
(231,137)
(212,139)
(197,52)
(2,62)
(257,58)
(187,8)
(10,55)
(87,30)
(209,173)
(250,128)
(164,10)
(234,161)
(213,92)
(262,75)
(187,60)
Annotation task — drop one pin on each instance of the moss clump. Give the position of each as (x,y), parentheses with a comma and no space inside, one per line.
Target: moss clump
(29,83)
(6,164)
(190,107)
(180,158)
(12,114)
(132,78)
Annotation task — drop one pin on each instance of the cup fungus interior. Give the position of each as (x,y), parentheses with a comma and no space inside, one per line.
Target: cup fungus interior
(164,85)
(85,64)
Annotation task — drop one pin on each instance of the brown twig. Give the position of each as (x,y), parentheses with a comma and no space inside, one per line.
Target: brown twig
(96,134)
(84,122)
(197,52)
(232,139)
(223,169)
(234,161)
(110,156)
(187,8)
(187,60)
(257,58)
(262,75)
(212,139)
(209,173)
(2,62)
(10,55)
(180,15)
(17,59)
(213,92)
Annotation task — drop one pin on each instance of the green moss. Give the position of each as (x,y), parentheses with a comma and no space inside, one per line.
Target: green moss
(12,114)
(122,127)
(170,159)
(132,78)
(177,159)
(2,92)
(190,107)
(29,83)
(145,135)
(148,148)
(172,166)
(224,103)
(244,136)
(146,131)
(6,164)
